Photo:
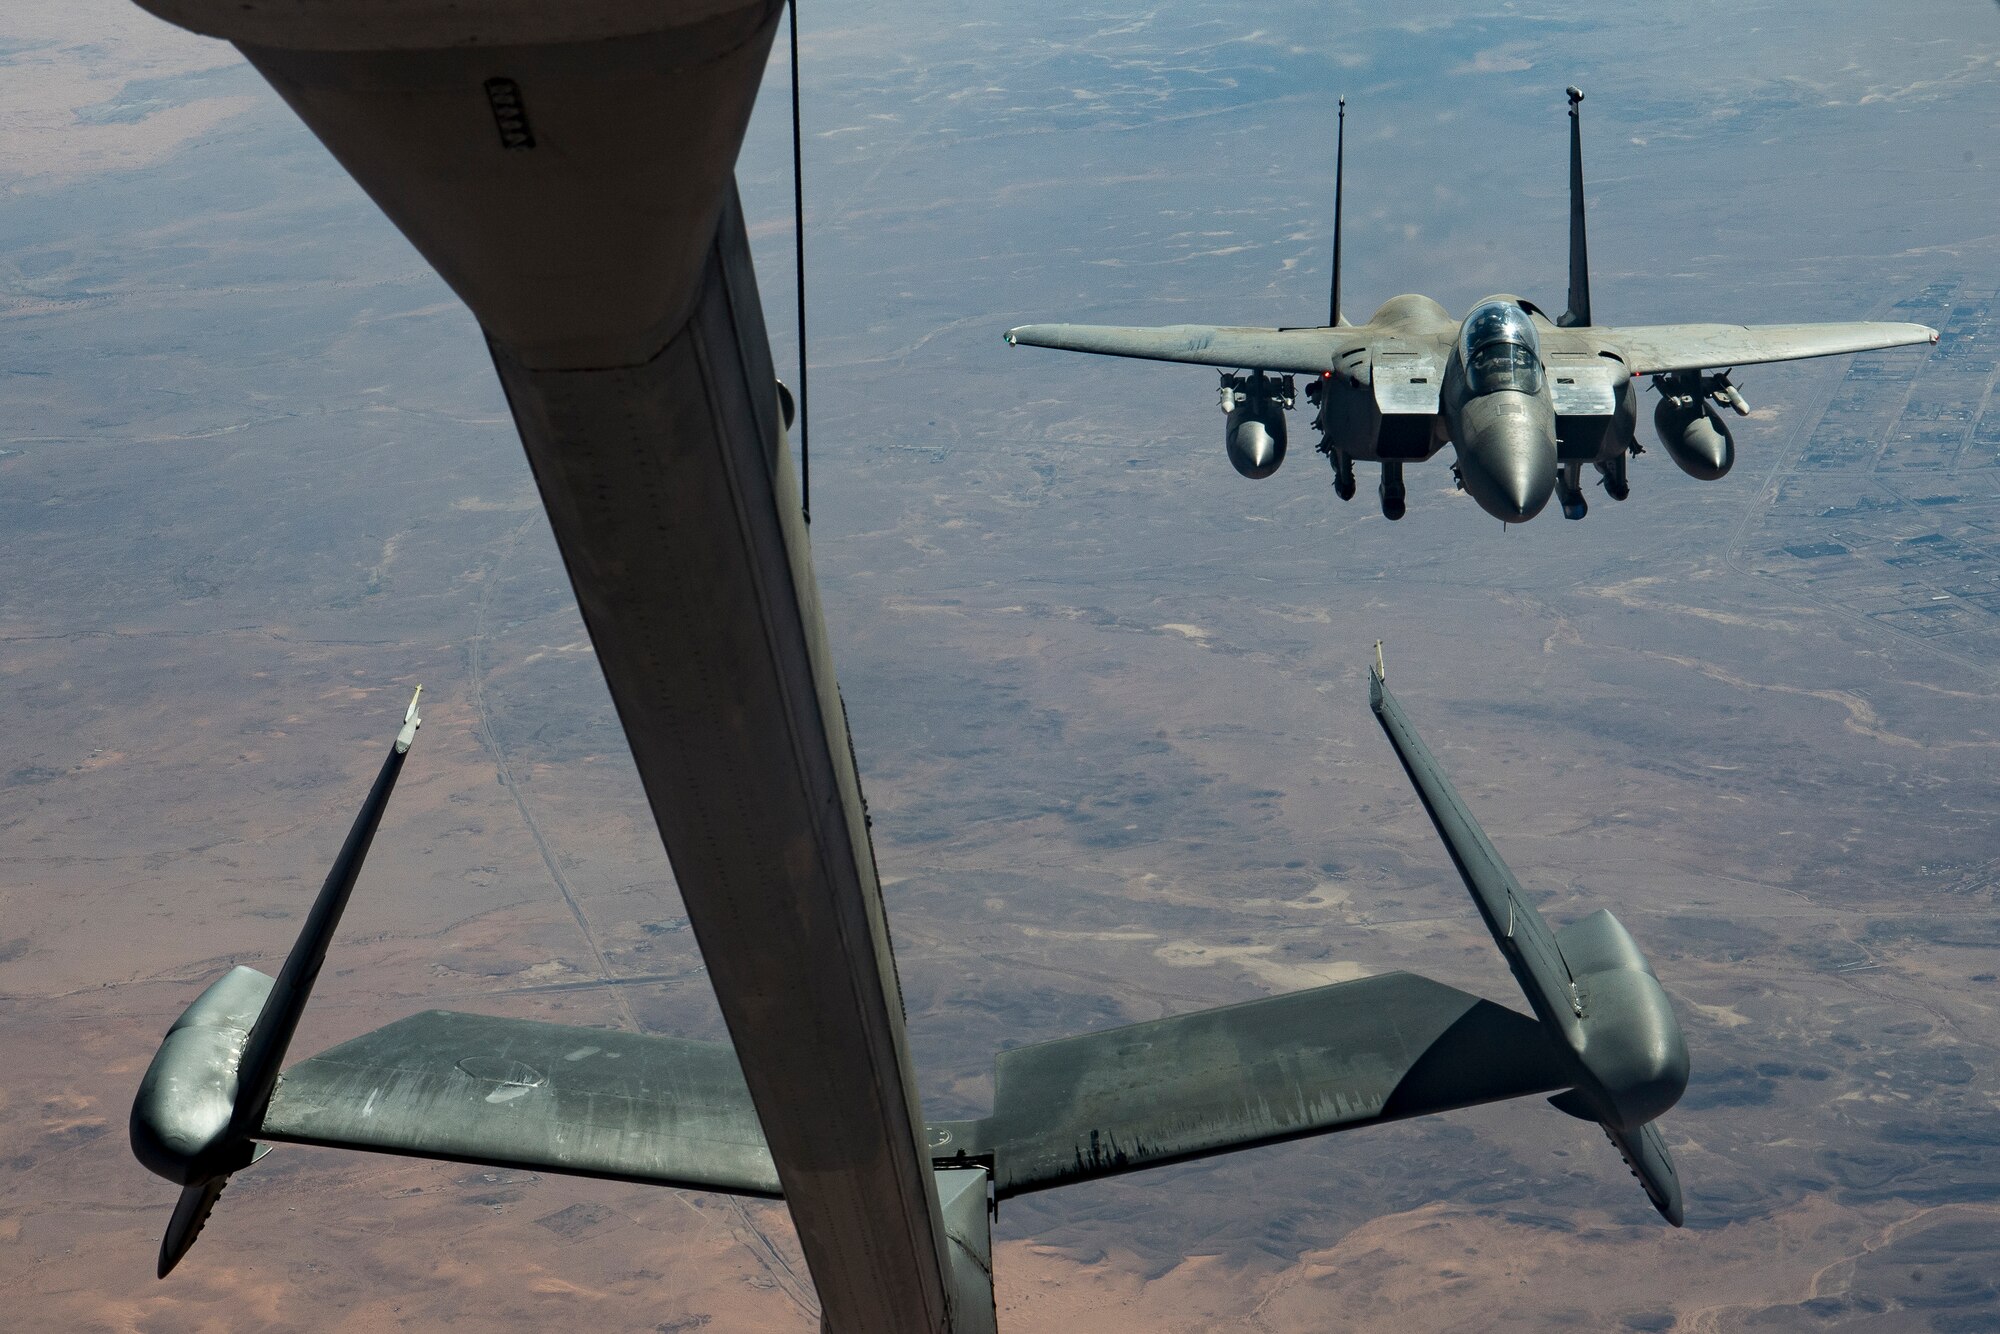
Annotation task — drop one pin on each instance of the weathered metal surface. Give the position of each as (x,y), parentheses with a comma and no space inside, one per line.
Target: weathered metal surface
(968,1225)
(1407,383)
(1307,1063)
(678,517)
(575,189)
(1620,1047)
(1300,351)
(515,1093)
(181,1116)
(1584,386)
(568,192)
(669,1111)
(1647,348)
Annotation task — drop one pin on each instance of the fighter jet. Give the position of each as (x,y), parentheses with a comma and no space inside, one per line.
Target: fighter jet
(568,169)
(1526,402)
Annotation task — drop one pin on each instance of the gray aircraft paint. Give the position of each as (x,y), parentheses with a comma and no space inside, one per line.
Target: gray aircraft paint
(568,170)
(1394,390)
(615,291)
(668,1111)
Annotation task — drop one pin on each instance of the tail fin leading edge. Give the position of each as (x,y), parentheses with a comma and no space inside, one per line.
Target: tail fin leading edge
(1339,177)
(1589,985)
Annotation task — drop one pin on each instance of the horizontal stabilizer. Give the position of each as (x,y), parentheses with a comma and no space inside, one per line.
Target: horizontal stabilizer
(1280,351)
(515,1093)
(1331,1058)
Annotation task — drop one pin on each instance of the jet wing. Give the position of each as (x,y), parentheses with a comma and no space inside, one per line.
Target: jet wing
(1649,349)
(1307,1063)
(1284,351)
(515,1093)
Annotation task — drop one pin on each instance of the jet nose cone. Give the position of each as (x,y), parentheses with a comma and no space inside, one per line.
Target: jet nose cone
(1507,455)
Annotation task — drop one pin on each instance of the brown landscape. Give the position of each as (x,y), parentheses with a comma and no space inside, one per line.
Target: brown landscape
(256,483)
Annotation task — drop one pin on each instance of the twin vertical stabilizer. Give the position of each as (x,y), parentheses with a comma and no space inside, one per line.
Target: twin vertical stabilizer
(1579,253)
(1339,173)
(1579,248)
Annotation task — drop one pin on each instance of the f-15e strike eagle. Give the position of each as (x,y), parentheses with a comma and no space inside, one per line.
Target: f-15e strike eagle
(1525,401)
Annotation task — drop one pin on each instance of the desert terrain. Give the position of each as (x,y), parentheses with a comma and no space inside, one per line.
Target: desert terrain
(1108,699)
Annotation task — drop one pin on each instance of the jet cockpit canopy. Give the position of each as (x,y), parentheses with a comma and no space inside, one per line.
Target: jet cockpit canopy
(1499,349)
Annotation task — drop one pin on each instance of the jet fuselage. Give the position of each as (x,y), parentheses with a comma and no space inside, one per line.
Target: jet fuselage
(1495,386)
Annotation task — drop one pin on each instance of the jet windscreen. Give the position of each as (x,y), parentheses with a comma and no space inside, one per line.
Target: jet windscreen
(1500,350)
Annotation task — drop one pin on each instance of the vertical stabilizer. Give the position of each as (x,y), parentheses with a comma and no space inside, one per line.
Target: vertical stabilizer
(1339,157)
(1579,253)
(202,1101)
(1589,984)
(271,1036)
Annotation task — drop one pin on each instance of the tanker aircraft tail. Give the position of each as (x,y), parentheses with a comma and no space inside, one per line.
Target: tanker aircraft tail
(1598,1001)
(674,1112)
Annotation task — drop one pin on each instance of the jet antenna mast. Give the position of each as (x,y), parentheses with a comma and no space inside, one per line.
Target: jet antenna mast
(799,265)
(1339,156)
